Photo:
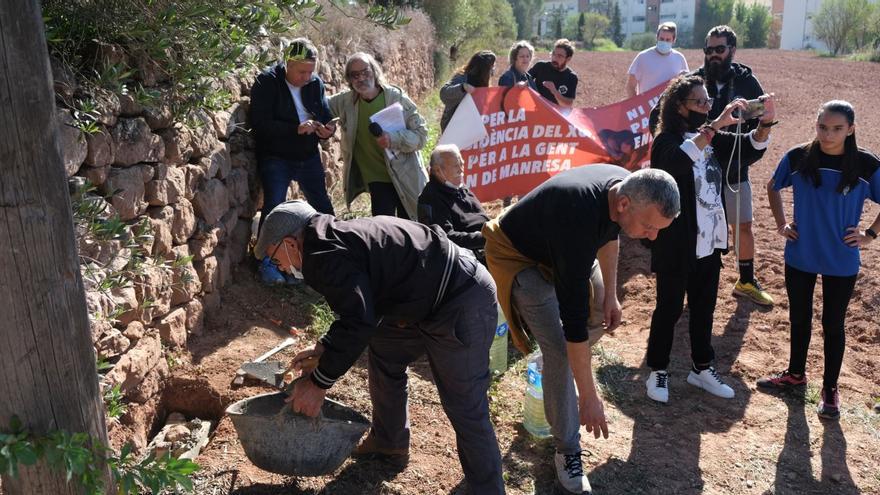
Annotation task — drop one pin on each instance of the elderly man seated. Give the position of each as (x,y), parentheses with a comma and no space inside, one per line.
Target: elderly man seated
(446,202)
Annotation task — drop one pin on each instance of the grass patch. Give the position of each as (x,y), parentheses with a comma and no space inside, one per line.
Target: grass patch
(812,394)
(605,45)
(431,110)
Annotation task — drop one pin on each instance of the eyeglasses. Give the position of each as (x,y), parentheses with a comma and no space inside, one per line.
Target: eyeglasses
(719,49)
(701,101)
(360,74)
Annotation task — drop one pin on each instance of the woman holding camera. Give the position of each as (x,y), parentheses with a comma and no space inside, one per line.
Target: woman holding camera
(831,177)
(686,256)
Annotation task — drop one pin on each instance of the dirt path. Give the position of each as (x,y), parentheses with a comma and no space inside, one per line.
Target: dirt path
(753,444)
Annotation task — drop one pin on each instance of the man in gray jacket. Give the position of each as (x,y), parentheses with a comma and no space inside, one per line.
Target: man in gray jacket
(386,163)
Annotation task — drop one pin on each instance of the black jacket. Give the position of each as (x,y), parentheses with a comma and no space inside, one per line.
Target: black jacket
(371,270)
(738,83)
(274,120)
(456,210)
(675,247)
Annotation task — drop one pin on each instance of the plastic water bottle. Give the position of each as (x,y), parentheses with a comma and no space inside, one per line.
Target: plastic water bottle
(534,420)
(498,351)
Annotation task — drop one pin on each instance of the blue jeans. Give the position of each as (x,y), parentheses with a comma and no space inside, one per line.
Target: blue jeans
(276,174)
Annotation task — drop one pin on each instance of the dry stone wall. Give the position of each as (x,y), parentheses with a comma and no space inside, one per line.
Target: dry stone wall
(196,186)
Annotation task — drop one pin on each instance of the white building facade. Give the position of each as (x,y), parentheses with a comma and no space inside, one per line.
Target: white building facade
(643,16)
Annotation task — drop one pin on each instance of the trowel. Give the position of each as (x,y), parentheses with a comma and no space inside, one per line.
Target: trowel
(270,372)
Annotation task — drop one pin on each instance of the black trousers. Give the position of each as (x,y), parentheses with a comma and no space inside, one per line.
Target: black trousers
(836,293)
(385,201)
(700,285)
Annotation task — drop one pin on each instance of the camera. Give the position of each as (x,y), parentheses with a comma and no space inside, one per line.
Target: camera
(756,109)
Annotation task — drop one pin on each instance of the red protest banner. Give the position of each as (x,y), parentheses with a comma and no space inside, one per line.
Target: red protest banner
(529,139)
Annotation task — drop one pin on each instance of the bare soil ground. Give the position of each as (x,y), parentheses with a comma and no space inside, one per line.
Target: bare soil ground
(753,444)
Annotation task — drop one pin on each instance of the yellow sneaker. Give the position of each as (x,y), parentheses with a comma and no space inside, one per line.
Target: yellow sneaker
(753,291)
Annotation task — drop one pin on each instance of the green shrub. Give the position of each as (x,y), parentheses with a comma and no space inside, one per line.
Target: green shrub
(605,45)
(639,42)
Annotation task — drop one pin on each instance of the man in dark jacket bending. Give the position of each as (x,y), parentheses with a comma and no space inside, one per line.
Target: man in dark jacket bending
(400,289)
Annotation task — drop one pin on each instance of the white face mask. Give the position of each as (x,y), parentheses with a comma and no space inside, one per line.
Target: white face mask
(664,47)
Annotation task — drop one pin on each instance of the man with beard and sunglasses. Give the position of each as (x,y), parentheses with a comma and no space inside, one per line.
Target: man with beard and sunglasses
(726,81)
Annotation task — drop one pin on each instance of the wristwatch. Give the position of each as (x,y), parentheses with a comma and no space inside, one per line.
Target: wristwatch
(871,233)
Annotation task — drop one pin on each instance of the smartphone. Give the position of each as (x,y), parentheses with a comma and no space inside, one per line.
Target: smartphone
(756,109)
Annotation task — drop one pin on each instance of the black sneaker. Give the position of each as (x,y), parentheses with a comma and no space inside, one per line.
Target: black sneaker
(829,404)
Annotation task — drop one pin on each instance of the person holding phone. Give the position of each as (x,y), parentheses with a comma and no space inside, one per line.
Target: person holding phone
(289,114)
(831,177)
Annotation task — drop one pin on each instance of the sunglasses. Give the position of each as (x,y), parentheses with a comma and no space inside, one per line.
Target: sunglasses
(719,49)
(701,101)
(361,74)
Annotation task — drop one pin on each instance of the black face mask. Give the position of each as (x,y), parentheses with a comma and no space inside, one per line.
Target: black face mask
(695,120)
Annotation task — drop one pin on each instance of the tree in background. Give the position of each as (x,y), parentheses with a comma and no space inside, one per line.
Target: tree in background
(465,26)
(580,27)
(616,28)
(525,12)
(751,24)
(595,25)
(711,13)
(837,21)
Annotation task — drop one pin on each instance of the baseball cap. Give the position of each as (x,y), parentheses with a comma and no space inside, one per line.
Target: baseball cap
(286,219)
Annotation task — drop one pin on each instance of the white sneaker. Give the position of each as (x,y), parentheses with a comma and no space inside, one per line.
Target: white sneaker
(658,386)
(709,381)
(570,473)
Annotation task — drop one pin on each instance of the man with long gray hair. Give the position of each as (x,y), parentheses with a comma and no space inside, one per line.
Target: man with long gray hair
(540,252)
(385,163)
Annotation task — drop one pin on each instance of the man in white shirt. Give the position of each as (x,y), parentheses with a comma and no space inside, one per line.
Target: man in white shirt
(657,64)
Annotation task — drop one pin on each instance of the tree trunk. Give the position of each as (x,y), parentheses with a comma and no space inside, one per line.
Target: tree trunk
(48,375)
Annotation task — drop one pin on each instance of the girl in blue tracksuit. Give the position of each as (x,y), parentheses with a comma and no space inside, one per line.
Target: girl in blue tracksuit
(831,177)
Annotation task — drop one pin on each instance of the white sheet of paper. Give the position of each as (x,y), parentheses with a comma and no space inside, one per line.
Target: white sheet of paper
(466,125)
(391,119)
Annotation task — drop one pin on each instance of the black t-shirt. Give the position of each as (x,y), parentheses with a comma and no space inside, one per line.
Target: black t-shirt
(562,224)
(566,80)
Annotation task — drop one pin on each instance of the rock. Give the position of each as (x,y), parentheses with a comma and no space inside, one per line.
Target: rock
(161,220)
(242,159)
(107,54)
(100,152)
(73,142)
(195,180)
(149,72)
(135,143)
(129,106)
(211,301)
(134,331)
(207,270)
(152,385)
(175,418)
(176,433)
(240,141)
(153,289)
(212,202)
(220,120)
(167,186)
(237,183)
(224,268)
(107,107)
(134,365)
(204,140)
(172,328)
(186,283)
(112,344)
(158,114)
(127,187)
(204,242)
(178,144)
(837,477)
(239,240)
(184,223)
(195,316)
(98,327)
(217,163)
(125,298)
(63,79)
(97,176)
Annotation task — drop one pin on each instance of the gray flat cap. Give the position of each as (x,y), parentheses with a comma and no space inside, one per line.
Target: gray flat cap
(285,220)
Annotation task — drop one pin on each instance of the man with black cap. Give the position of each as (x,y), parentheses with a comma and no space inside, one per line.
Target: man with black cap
(399,289)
